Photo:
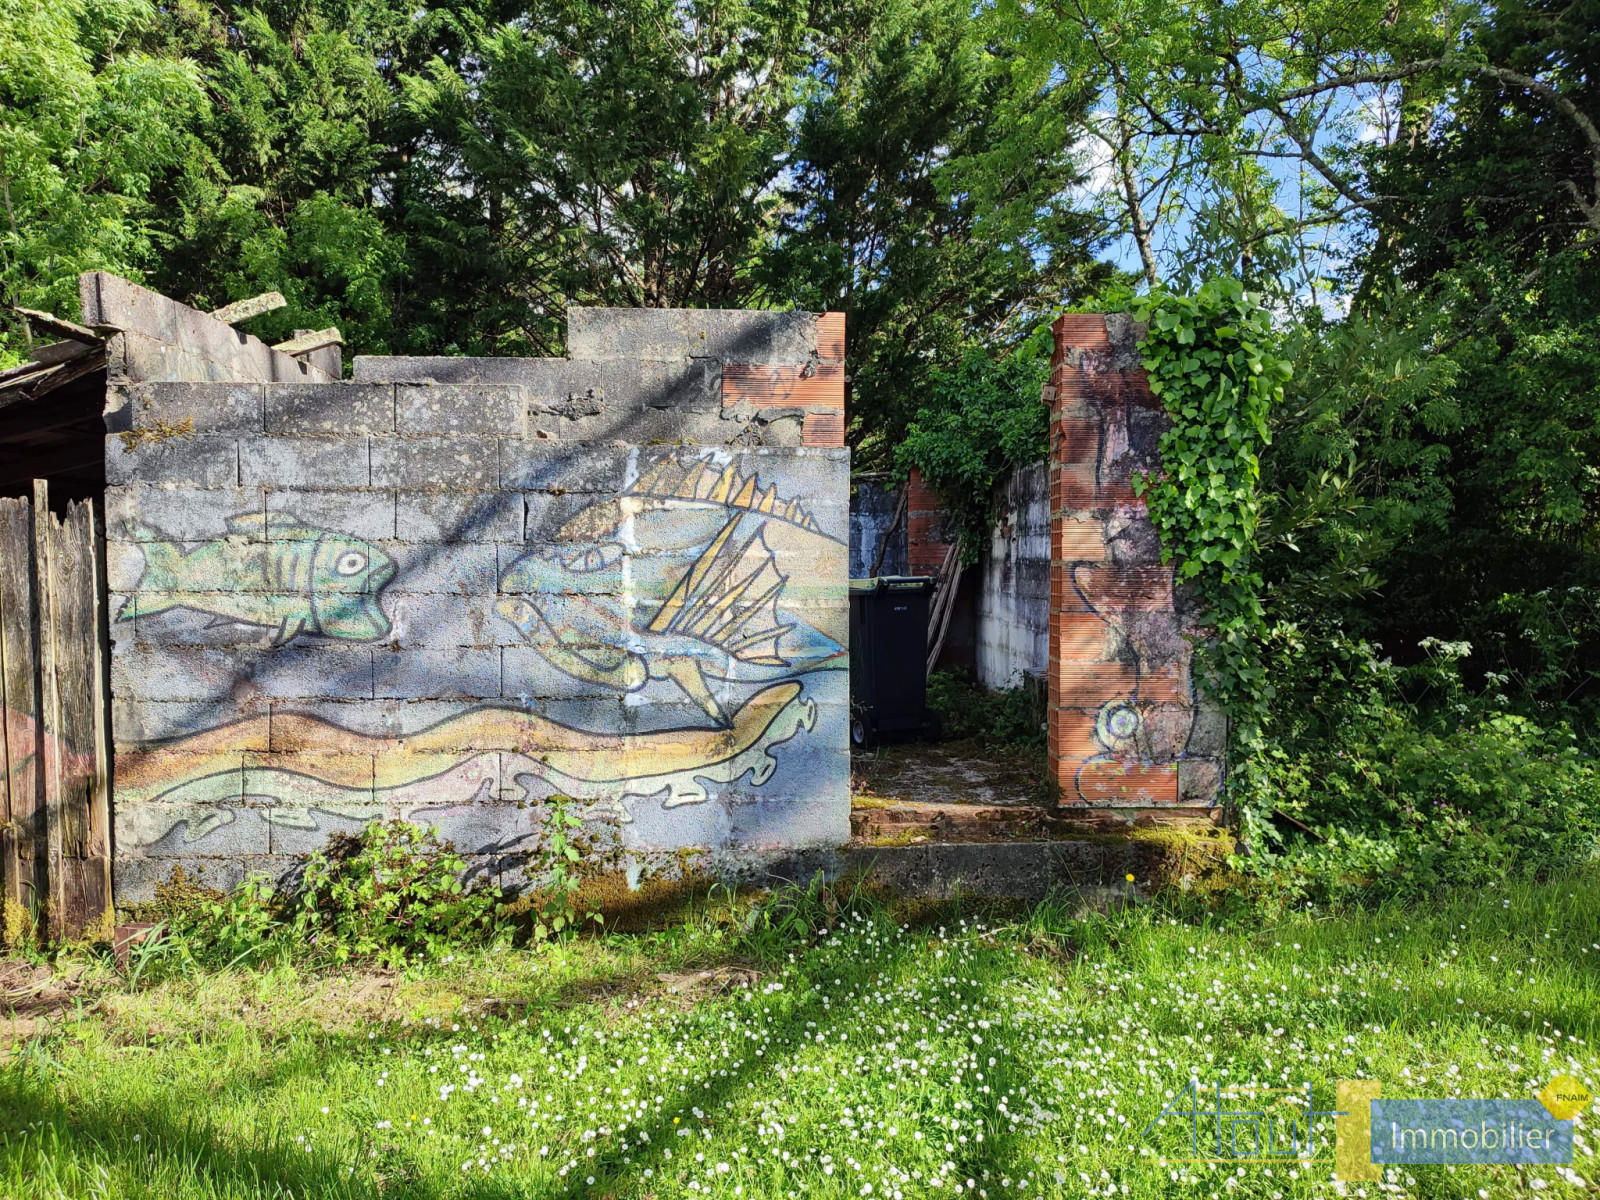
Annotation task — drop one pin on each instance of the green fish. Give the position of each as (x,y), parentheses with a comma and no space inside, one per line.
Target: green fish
(275,572)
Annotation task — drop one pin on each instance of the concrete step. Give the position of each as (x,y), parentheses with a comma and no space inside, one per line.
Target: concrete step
(883,823)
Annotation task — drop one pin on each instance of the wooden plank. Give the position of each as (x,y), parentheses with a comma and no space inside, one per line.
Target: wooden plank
(100,800)
(50,323)
(77,837)
(18,710)
(44,540)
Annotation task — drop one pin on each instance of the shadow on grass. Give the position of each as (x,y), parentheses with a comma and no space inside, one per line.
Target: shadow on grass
(169,1137)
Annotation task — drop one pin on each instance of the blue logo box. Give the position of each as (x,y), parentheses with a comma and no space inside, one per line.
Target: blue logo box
(1468,1131)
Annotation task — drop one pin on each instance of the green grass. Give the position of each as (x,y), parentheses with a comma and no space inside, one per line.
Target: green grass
(1024,1055)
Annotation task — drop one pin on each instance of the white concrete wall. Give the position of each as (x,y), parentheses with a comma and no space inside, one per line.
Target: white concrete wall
(1014,604)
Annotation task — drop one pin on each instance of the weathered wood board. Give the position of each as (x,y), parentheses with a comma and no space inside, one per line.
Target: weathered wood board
(55,852)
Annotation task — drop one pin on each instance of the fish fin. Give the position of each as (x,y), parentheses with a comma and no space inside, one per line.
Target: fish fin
(685,672)
(729,599)
(272,526)
(291,628)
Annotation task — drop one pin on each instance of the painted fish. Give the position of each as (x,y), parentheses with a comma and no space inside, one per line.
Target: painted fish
(271,571)
(722,611)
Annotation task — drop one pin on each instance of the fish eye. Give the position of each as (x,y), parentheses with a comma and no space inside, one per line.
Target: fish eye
(351,562)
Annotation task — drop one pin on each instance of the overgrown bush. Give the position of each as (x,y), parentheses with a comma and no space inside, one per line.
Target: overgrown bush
(1400,781)
(391,894)
(1012,717)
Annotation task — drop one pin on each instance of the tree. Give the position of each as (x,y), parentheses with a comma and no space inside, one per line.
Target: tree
(89,122)
(932,198)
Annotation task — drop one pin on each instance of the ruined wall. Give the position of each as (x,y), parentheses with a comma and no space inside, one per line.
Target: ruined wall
(1127,729)
(153,338)
(874,509)
(1014,596)
(454,587)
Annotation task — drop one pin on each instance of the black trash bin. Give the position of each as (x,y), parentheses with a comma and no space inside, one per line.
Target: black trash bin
(889,660)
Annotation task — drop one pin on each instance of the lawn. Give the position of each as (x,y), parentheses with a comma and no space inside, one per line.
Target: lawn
(803,1050)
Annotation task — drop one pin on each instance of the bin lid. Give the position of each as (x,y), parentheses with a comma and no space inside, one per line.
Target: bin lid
(892,583)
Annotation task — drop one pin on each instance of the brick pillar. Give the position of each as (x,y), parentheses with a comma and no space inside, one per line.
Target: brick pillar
(1126,728)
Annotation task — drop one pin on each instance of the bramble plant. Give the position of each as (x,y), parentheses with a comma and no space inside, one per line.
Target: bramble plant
(392,892)
(1211,361)
(559,912)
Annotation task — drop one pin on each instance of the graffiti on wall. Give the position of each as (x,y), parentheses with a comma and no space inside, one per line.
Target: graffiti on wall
(697,598)
(680,579)
(270,570)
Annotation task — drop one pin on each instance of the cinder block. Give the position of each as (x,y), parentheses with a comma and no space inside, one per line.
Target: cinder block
(124,567)
(366,514)
(310,827)
(134,876)
(302,725)
(329,408)
(476,410)
(304,462)
(477,828)
(532,373)
(452,674)
(557,467)
(451,517)
(462,569)
(528,676)
(730,335)
(1199,780)
(218,829)
(109,300)
(182,673)
(141,512)
(313,672)
(204,462)
(545,515)
(434,463)
(431,620)
(144,724)
(206,407)
(285,368)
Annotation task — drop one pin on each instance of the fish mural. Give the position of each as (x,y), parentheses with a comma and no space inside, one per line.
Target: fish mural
(702,614)
(677,580)
(324,767)
(271,570)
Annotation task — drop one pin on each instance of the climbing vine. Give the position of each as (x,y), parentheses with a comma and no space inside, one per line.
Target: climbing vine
(1210,360)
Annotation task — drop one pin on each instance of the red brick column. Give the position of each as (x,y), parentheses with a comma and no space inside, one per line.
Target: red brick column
(929,529)
(1126,728)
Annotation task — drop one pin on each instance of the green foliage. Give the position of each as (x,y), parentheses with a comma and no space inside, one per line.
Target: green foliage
(980,419)
(559,911)
(89,123)
(1415,786)
(1212,363)
(390,893)
(1012,717)
(933,196)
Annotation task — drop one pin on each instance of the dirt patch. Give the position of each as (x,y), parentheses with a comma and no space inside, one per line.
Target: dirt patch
(33,996)
(715,981)
(963,772)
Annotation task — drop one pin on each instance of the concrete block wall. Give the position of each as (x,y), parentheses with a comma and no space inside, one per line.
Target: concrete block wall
(876,516)
(1014,581)
(452,588)
(151,338)
(1127,728)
